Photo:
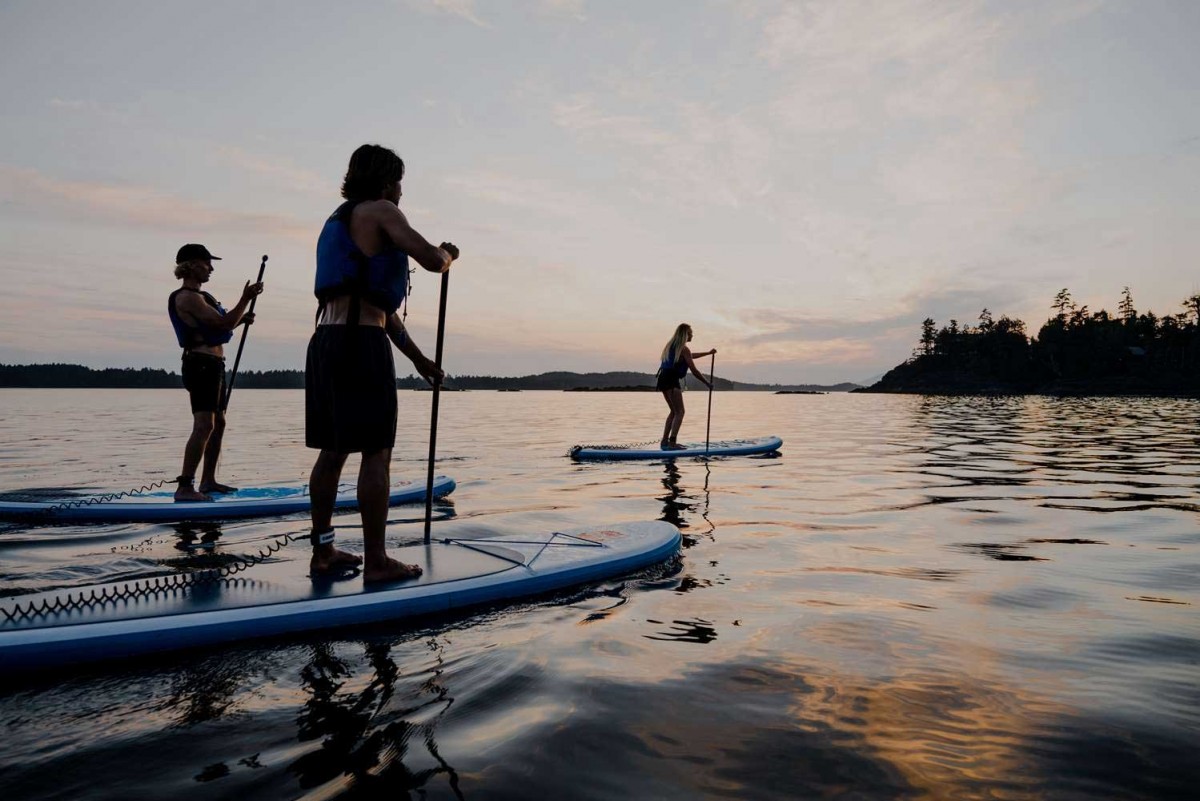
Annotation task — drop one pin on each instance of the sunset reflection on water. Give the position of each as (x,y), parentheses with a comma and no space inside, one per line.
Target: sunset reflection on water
(918,598)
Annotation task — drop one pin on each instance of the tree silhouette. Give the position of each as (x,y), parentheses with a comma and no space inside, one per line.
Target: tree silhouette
(928,336)
(1077,350)
(1192,303)
(1125,308)
(1062,302)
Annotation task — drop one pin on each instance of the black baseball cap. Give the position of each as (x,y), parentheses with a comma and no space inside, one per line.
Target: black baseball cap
(190,252)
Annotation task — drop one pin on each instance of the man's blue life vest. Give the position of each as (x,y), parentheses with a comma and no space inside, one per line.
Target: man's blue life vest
(190,336)
(343,269)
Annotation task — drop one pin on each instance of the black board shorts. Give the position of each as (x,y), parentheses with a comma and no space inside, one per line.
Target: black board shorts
(350,390)
(204,379)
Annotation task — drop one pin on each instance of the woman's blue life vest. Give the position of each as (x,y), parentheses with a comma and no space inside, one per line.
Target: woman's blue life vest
(190,336)
(343,269)
(672,367)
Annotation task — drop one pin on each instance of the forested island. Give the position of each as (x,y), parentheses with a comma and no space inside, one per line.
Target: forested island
(1076,352)
(78,376)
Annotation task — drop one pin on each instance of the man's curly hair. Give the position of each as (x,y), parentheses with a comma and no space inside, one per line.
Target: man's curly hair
(372,169)
(185,269)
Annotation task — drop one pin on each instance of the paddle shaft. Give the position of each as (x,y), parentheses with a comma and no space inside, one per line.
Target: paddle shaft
(437,386)
(245,330)
(708,426)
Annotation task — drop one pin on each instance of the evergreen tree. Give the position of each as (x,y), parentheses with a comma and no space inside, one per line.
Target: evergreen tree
(1062,302)
(1125,309)
(928,336)
(1193,305)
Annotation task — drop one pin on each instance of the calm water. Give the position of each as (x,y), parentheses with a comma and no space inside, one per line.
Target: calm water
(920,598)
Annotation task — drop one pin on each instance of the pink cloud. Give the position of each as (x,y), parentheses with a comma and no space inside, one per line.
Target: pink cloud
(125,204)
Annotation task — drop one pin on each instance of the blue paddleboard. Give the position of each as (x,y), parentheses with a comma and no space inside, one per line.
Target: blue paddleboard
(161,507)
(726,447)
(125,619)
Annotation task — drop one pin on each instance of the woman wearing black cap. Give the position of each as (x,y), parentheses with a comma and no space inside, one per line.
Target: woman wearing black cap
(202,327)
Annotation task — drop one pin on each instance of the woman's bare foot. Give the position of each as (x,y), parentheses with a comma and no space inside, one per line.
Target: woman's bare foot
(674,446)
(391,570)
(327,559)
(215,487)
(189,494)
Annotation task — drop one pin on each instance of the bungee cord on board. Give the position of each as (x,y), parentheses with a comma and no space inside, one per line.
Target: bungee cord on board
(91,500)
(611,447)
(144,588)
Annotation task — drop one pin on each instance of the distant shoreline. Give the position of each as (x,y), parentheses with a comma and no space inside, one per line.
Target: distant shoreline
(75,376)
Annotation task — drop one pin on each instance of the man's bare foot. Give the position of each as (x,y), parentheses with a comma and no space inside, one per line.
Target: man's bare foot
(189,494)
(327,559)
(674,446)
(391,570)
(215,487)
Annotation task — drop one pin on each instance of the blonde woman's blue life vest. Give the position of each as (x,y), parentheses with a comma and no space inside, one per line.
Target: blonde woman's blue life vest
(670,366)
(343,269)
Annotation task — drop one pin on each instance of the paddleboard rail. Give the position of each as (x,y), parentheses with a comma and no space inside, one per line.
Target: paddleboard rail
(277,598)
(720,448)
(146,506)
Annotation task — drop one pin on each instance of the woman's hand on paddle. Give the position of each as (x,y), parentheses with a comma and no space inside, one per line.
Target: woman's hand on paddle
(451,249)
(247,318)
(251,291)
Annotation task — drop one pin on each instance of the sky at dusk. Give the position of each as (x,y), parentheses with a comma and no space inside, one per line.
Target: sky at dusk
(803,182)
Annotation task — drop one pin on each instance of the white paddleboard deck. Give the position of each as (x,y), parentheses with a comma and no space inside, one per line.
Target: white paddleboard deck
(251,502)
(119,620)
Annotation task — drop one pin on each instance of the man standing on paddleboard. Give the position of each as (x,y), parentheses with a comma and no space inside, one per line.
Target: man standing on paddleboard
(350,378)
(202,327)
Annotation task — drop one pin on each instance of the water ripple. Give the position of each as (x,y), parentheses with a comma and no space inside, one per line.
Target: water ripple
(920,597)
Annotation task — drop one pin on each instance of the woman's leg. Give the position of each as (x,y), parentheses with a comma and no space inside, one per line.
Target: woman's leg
(212,456)
(677,411)
(666,437)
(202,428)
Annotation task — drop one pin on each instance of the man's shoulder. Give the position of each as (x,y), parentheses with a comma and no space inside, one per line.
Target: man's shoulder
(187,297)
(378,209)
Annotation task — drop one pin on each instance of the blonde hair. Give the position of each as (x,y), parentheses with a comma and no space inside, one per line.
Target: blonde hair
(675,344)
(184,268)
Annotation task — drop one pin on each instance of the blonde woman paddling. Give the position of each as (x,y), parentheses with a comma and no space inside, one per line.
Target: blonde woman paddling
(676,360)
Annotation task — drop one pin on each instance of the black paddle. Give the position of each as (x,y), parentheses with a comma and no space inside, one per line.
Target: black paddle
(708,426)
(437,385)
(245,330)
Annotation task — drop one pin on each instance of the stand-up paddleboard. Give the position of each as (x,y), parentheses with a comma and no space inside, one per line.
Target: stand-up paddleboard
(161,506)
(118,620)
(725,447)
